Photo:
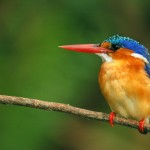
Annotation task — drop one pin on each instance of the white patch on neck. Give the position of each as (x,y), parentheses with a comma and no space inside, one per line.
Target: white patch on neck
(140,56)
(104,57)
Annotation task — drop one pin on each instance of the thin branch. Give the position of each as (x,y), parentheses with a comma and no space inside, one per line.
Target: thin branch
(52,106)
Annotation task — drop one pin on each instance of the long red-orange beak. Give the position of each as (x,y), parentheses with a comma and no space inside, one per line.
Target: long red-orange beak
(87,48)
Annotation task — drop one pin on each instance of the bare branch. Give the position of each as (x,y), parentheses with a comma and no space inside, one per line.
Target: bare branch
(52,106)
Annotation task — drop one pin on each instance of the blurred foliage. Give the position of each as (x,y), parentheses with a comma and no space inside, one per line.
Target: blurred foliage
(33,66)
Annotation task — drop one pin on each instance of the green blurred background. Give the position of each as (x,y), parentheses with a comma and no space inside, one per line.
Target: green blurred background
(32,65)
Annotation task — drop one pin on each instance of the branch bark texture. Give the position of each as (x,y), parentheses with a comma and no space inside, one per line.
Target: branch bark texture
(66,108)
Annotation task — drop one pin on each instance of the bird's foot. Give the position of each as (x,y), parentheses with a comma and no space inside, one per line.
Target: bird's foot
(111,118)
(141,127)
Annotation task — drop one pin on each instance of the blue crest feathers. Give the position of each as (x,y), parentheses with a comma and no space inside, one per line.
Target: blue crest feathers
(129,43)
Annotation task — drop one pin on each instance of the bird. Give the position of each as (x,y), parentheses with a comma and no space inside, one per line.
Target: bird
(124,77)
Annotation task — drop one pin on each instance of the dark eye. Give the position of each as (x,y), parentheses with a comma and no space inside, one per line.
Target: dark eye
(115,47)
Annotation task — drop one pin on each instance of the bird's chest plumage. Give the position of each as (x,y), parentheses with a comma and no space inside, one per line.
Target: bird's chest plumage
(121,90)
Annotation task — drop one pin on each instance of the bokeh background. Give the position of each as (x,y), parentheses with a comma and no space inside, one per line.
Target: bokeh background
(32,65)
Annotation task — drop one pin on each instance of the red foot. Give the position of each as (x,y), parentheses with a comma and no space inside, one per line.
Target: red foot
(111,118)
(141,126)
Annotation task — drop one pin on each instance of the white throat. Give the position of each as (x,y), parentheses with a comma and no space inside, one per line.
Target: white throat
(105,57)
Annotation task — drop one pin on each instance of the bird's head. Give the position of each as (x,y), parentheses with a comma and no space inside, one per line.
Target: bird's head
(115,47)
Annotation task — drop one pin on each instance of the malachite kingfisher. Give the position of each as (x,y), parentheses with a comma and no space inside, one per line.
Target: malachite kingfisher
(124,76)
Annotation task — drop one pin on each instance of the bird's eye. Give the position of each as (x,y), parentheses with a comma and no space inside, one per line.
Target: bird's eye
(110,46)
(115,47)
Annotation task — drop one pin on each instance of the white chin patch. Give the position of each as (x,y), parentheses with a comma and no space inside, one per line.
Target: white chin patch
(105,57)
(140,56)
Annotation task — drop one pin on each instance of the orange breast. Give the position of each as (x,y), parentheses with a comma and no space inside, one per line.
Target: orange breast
(126,87)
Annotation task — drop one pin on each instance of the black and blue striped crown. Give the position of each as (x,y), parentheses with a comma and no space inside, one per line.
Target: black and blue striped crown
(129,43)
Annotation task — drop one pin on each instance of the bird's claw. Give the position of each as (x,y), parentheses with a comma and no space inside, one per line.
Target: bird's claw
(141,127)
(111,118)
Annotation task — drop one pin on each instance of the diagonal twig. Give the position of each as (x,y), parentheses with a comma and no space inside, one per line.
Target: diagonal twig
(66,108)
